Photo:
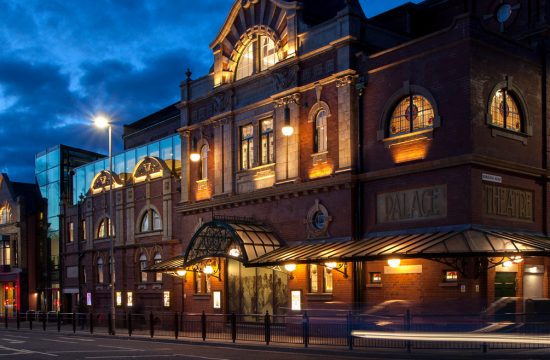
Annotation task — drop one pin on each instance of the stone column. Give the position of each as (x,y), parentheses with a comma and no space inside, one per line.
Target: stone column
(167,208)
(346,116)
(228,156)
(119,218)
(130,228)
(287,149)
(185,173)
(218,158)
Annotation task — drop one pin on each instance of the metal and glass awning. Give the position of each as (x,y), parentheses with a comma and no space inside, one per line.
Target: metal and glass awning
(168,266)
(425,245)
(238,238)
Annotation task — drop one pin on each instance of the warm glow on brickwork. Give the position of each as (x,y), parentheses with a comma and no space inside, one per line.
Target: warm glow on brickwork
(321,170)
(410,151)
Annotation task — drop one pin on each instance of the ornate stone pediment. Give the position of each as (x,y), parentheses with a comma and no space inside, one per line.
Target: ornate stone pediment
(103,181)
(149,168)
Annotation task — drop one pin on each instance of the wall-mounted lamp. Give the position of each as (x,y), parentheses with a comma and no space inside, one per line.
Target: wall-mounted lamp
(287,129)
(234,252)
(394,263)
(181,272)
(290,268)
(195,156)
(516,259)
(334,266)
(213,271)
(507,264)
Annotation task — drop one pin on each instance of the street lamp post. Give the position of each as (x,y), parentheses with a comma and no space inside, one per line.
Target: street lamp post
(103,122)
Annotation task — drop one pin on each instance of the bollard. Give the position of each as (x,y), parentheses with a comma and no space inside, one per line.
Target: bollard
(350,330)
(203,326)
(6,317)
(30,320)
(58,321)
(91,323)
(267,323)
(130,324)
(110,323)
(408,328)
(74,323)
(233,327)
(305,326)
(484,347)
(176,324)
(17,320)
(44,320)
(152,324)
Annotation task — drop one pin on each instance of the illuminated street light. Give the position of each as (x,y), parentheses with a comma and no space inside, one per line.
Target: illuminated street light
(287,129)
(394,263)
(104,122)
(181,272)
(290,267)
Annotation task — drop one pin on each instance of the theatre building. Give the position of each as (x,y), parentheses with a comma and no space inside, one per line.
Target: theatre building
(333,161)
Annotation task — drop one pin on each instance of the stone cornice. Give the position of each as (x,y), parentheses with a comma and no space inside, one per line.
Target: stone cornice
(283,191)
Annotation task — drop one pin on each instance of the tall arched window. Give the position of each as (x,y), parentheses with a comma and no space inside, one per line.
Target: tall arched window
(150,221)
(413,113)
(505,111)
(100,271)
(157,259)
(142,266)
(104,228)
(321,132)
(259,55)
(4,215)
(203,175)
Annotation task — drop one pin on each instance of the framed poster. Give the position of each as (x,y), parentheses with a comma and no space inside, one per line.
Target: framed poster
(296,300)
(217,299)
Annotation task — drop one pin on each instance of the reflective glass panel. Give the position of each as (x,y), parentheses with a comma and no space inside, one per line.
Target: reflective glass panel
(245,66)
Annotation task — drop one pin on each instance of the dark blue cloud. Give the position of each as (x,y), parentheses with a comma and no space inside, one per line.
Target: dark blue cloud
(61,61)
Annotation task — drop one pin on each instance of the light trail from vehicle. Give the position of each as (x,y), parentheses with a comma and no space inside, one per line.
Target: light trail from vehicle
(454,337)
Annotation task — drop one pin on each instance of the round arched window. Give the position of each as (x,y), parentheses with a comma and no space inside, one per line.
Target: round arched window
(505,112)
(413,113)
(260,54)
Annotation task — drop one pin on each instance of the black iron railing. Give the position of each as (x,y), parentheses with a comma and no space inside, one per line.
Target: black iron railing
(312,329)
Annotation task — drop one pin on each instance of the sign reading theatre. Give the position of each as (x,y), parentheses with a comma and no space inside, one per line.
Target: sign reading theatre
(507,202)
(410,205)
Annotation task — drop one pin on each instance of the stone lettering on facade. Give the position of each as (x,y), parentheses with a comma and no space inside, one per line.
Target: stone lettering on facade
(507,202)
(409,205)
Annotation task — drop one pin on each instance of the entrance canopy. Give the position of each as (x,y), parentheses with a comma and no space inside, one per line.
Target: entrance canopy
(426,245)
(170,266)
(237,238)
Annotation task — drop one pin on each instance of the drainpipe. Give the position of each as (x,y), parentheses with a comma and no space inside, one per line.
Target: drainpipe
(358,269)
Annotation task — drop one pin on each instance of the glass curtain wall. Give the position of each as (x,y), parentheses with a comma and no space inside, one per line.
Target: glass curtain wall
(167,149)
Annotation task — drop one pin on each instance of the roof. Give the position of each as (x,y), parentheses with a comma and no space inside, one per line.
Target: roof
(242,239)
(426,245)
(168,113)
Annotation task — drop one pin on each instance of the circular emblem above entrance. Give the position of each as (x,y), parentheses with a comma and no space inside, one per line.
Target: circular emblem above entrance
(317,221)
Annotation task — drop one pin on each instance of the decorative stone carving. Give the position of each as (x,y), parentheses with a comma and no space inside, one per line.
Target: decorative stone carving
(247,3)
(286,78)
(317,221)
(287,100)
(221,103)
(148,168)
(103,181)
(344,80)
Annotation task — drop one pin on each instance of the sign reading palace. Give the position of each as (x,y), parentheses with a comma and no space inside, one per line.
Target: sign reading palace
(508,202)
(415,204)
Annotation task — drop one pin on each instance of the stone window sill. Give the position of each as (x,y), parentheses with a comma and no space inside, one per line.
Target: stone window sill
(319,296)
(509,134)
(202,296)
(408,138)
(374,285)
(449,284)
(149,233)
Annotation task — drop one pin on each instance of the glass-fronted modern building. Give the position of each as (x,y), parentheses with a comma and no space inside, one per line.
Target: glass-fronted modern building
(167,149)
(53,170)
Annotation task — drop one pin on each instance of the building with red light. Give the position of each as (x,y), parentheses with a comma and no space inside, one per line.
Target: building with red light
(333,161)
(21,228)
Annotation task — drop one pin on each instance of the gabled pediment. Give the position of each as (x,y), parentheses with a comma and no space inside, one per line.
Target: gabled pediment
(273,18)
(103,180)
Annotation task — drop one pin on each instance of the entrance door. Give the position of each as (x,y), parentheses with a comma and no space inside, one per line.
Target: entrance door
(505,286)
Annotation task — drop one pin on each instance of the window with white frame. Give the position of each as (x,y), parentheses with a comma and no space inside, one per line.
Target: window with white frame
(100,271)
(203,175)
(150,221)
(268,142)
(321,132)
(247,147)
(158,259)
(259,54)
(142,266)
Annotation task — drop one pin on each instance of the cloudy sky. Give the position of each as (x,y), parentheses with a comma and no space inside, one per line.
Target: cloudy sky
(62,61)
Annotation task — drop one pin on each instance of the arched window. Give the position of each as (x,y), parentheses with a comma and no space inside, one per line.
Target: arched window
(142,266)
(157,259)
(150,221)
(4,215)
(413,113)
(259,55)
(203,175)
(321,132)
(104,228)
(100,271)
(505,112)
